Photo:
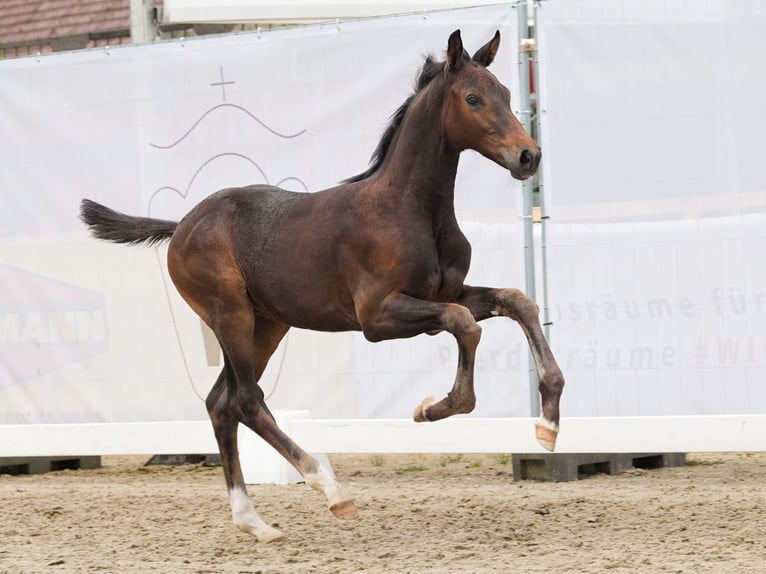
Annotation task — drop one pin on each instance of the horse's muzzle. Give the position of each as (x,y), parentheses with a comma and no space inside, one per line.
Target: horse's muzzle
(530,159)
(524,163)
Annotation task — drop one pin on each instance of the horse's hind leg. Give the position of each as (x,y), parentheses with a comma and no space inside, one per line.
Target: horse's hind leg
(248,343)
(225,425)
(260,419)
(257,416)
(484,303)
(200,266)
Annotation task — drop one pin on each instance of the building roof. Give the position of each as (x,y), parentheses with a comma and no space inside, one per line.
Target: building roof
(34,21)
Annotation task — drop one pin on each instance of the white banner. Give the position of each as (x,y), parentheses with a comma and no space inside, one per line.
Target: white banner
(96,332)
(654,127)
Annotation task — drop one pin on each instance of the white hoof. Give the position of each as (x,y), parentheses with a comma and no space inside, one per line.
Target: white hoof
(262,532)
(247,520)
(339,502)
(546,433)
(420,416)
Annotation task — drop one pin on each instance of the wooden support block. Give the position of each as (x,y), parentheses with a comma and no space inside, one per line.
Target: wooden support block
(43,464)
(562,467)
(181,459)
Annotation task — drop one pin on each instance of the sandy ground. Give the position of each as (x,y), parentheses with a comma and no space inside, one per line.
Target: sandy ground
(435,513)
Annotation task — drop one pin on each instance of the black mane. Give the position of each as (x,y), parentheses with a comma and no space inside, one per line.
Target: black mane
(430,70)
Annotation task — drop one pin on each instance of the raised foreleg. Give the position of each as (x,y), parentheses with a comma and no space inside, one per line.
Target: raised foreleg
(486,302)
(401,316)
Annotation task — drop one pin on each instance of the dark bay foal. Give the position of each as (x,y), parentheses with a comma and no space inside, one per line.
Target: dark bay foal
(381,253)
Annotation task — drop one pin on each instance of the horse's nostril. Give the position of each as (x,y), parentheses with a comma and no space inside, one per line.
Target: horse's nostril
(527,159)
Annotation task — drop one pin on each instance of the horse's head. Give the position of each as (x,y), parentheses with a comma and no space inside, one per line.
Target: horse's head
(477,113)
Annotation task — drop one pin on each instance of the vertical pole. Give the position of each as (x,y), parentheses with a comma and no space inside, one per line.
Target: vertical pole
(529,242)
(143,28)
(541,188)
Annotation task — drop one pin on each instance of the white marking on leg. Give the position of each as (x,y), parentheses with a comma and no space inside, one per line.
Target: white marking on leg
(246,518)
(323,481)
(543,422)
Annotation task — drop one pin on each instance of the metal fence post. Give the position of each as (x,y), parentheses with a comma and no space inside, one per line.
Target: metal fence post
(546,319)
(525,116)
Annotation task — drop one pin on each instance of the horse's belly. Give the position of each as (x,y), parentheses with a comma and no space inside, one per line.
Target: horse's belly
(306,305)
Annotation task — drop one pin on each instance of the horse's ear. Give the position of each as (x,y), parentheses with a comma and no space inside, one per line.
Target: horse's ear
(455,52)
(486,53)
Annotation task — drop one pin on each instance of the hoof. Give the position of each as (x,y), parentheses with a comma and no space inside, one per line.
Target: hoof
(264,533)
(273,537)
(420,416)
(344,510)
(546,435)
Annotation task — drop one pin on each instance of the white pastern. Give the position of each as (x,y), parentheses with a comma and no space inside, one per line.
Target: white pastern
(246,518)
(547,424)
(323,482)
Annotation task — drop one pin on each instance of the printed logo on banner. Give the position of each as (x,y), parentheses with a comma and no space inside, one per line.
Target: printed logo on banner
(221,168)
(46,324)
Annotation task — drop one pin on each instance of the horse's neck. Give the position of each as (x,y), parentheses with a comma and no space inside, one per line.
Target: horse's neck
(421,166)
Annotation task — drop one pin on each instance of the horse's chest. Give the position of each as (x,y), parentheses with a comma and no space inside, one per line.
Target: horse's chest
(454,261)
(446,268)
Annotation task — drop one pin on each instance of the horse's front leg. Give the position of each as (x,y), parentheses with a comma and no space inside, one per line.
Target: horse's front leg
(399,316)
(484,303)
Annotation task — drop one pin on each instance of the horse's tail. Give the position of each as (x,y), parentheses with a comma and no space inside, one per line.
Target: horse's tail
(111,225)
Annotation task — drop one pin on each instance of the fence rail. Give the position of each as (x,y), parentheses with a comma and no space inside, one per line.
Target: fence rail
(739,433)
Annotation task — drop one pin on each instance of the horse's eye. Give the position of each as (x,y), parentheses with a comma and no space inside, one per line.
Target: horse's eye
(473,100)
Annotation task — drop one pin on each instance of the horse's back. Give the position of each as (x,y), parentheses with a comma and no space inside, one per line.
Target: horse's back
(258,203)
(281,246)
(249,214)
